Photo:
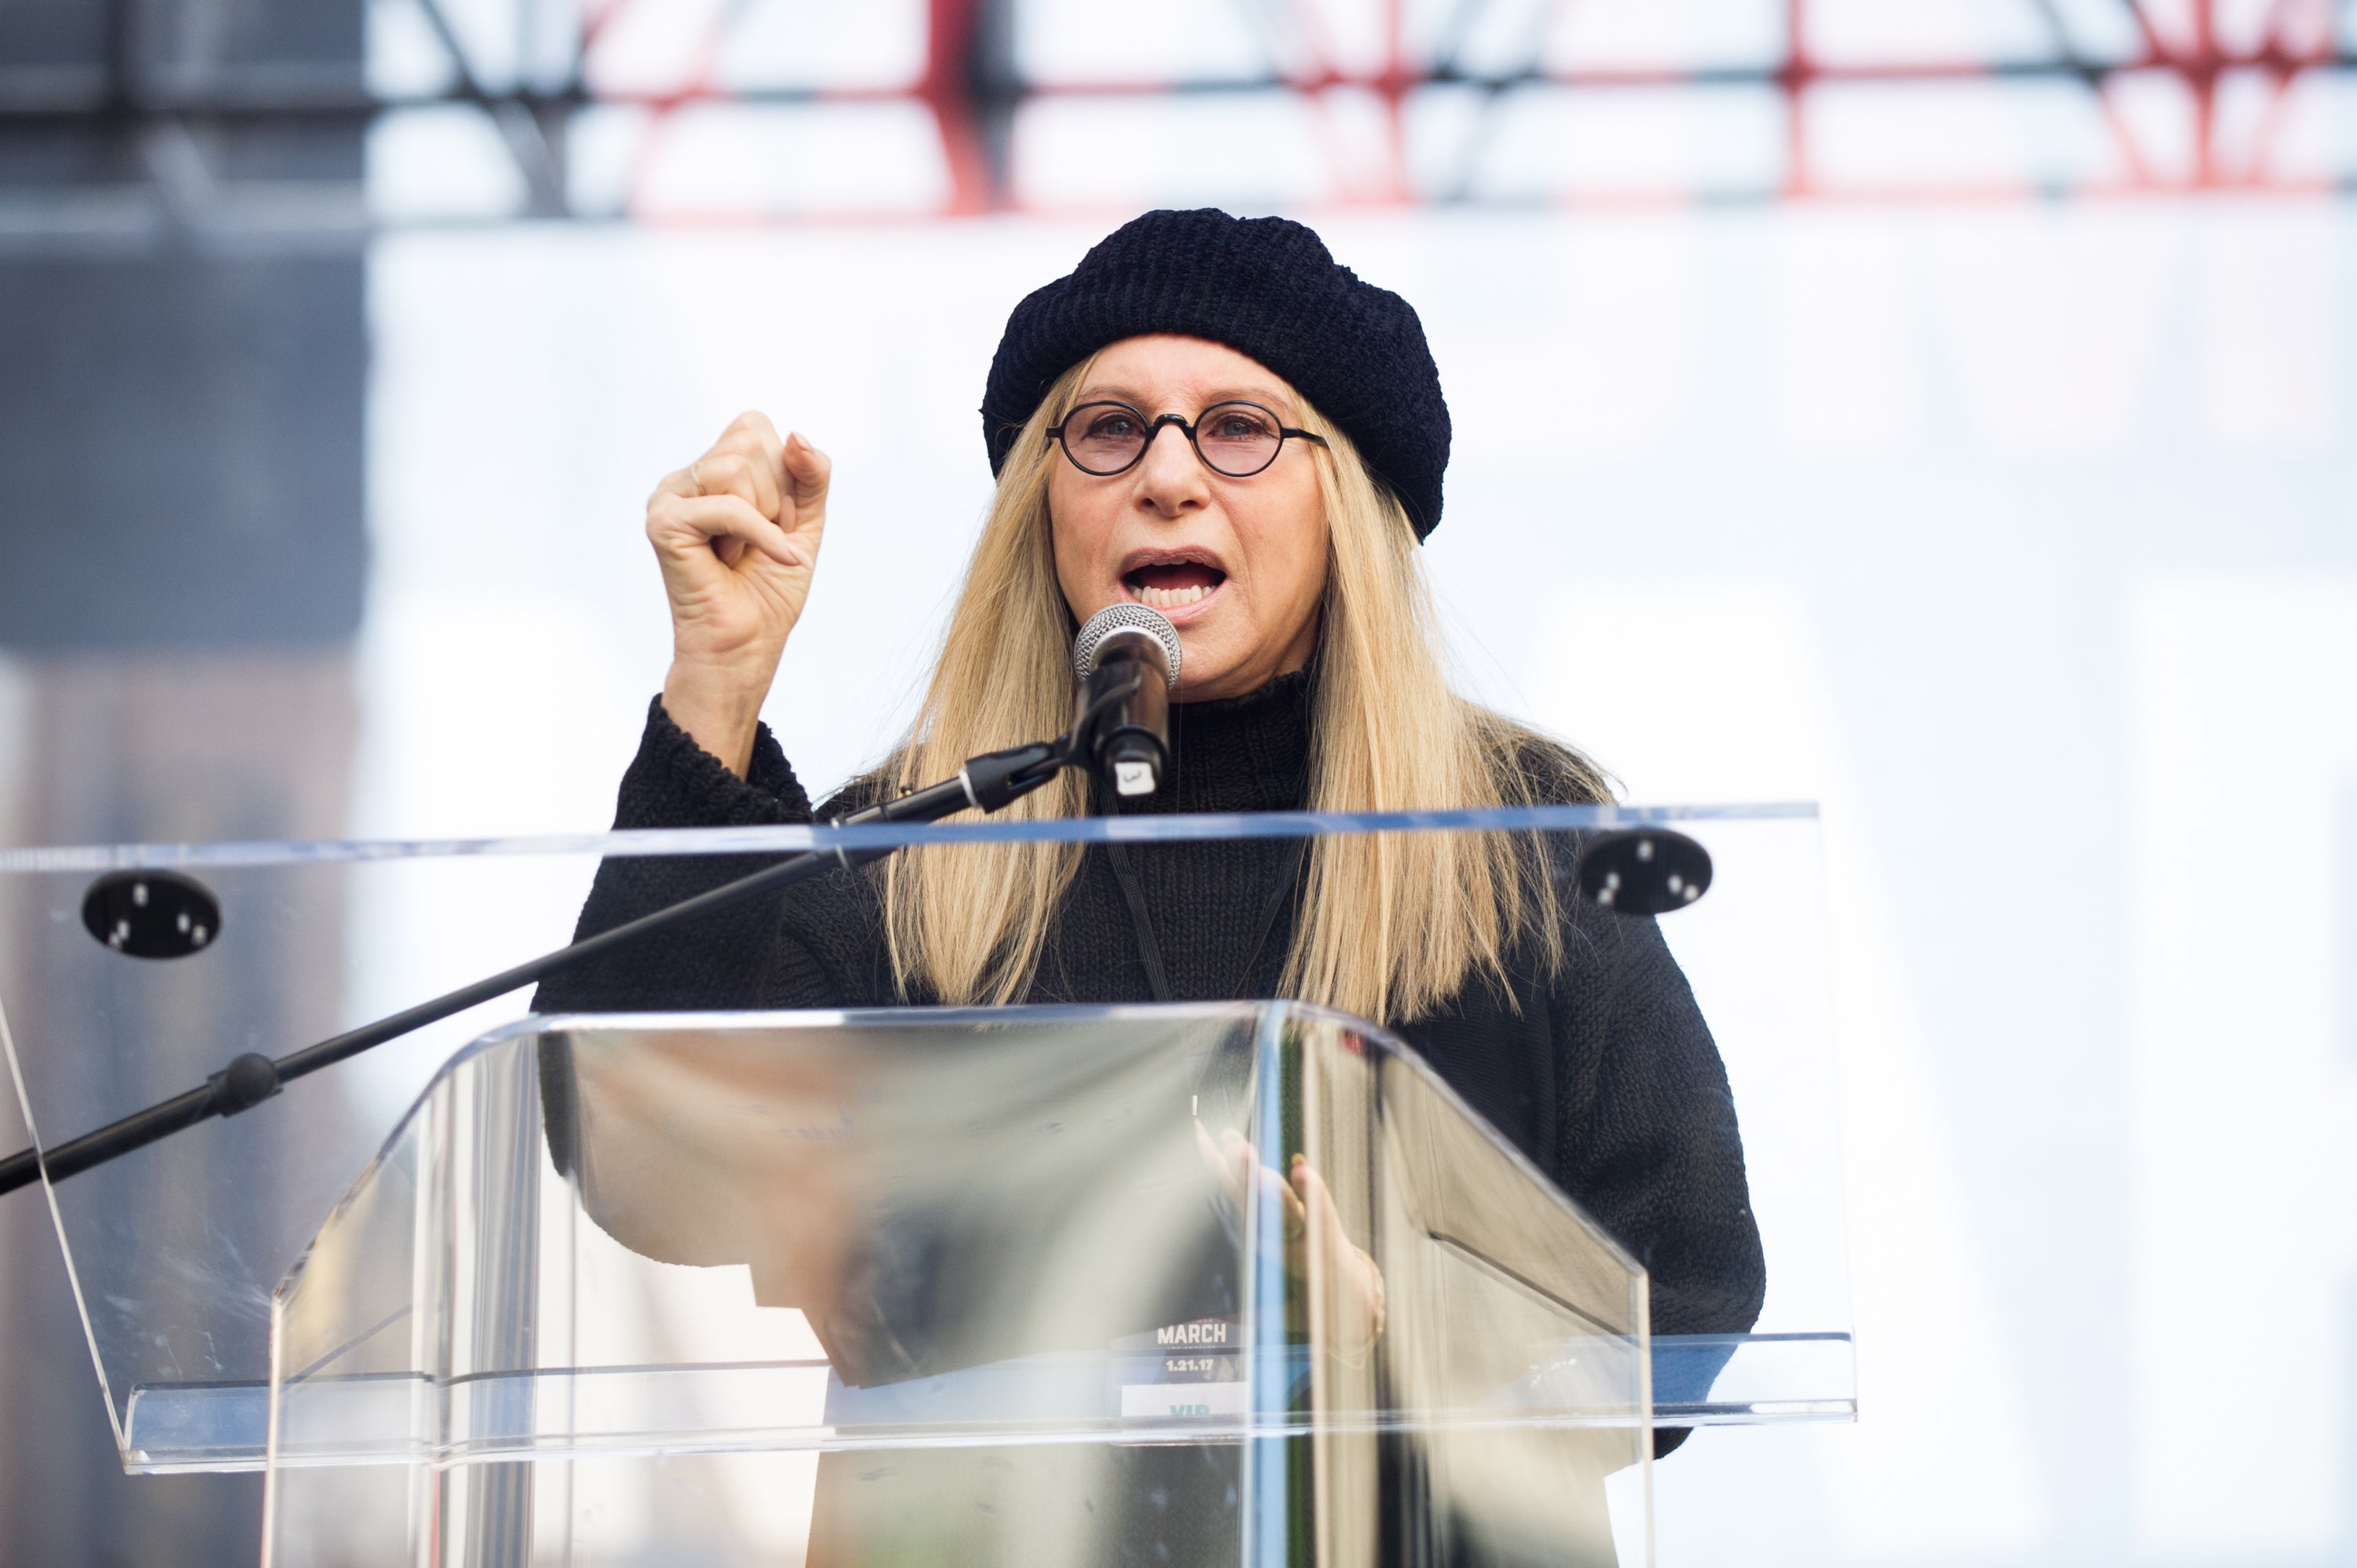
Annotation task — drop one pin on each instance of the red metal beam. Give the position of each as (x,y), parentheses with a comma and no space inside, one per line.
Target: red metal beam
(1797,75)
(952,40)
(965,101)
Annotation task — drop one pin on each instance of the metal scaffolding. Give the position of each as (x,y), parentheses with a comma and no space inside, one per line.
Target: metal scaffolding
(147,122)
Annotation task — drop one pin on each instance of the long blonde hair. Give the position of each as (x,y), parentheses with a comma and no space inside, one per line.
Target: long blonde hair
(1393,925)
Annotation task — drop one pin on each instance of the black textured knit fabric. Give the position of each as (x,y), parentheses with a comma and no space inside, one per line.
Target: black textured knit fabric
(1603,1073)
(1266,287)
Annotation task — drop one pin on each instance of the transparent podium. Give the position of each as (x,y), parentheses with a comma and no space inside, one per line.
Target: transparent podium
(1205,1283)
(1225,1283)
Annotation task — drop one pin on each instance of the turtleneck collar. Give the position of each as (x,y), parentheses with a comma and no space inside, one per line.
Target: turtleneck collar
(1240,754)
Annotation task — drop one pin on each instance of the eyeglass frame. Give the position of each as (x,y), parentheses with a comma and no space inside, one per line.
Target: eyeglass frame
(1154,432)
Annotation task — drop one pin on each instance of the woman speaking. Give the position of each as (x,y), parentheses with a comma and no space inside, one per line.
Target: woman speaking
(1208,417)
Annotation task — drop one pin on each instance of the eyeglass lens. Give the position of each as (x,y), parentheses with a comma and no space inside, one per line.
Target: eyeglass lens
(1238,439)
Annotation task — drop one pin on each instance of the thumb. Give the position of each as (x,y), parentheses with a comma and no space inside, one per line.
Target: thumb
(808,471)
(1314,1192)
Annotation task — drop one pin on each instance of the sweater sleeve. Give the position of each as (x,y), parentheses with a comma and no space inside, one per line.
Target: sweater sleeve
(1648,1135)
(675,783)
(728,960)
(1648,1140)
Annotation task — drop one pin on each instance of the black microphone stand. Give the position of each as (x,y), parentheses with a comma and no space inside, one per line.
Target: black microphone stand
(986,783)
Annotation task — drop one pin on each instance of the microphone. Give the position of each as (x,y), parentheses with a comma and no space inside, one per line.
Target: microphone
(1126,658)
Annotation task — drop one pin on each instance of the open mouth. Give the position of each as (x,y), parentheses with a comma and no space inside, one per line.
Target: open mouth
(1173,584)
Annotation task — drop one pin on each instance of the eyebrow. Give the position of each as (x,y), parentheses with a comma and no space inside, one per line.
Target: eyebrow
(1226,395)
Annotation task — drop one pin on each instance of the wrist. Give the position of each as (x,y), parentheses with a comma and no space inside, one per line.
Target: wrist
(718,707)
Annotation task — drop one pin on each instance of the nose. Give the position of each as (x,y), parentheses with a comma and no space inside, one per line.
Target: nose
(1170,479)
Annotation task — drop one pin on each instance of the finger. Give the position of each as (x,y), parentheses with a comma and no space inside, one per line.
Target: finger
(1242,1160)
(1324,1217)
(1265,1183)
(684,521)
(751,436)
(745,474)
(1315,1193)
(1297,1213)
(808,470)
(753,425)
(1290,1215)
(1221,1167)
(1238,1166)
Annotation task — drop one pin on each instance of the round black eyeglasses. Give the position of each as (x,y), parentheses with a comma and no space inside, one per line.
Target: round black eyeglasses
(1237,439)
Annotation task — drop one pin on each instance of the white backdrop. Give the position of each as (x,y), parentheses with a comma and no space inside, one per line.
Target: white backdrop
(2024,539)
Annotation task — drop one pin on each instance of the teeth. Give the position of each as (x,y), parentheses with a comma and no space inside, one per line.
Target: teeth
(1169,598)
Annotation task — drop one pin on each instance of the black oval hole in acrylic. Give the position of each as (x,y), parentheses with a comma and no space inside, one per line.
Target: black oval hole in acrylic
(152,914)
(1643,871)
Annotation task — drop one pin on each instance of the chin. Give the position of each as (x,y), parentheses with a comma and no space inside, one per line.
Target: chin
(1206,673)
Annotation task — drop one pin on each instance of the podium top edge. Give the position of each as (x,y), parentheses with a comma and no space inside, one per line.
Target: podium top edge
(793,837)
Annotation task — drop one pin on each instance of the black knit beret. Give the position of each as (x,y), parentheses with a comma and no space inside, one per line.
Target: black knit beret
(1266,287)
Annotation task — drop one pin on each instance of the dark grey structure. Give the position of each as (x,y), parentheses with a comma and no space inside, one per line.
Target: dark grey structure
(183,369)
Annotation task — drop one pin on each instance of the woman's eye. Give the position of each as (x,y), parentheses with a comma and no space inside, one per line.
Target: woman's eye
(1238,427)
(1113,426)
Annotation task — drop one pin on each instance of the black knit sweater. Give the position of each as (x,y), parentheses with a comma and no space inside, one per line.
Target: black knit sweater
(1603,1072)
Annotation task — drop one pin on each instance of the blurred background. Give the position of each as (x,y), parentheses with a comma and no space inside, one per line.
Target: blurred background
(1938,408)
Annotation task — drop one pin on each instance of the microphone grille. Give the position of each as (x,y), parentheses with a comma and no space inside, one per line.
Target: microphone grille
(1115,618)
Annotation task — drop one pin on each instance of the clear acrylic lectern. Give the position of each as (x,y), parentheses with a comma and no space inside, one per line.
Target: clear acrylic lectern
(1222,1283)
(907,1286)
